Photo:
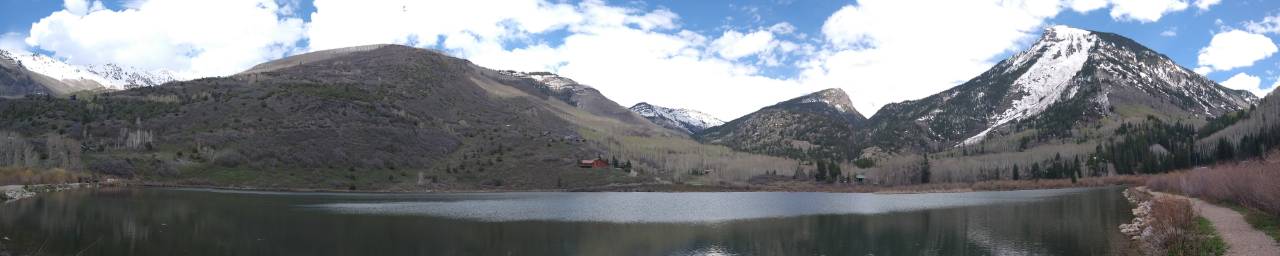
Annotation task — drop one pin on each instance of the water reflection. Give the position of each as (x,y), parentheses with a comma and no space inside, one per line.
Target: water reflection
(185,222)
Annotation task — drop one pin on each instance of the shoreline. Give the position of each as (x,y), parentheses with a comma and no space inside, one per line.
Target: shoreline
(788,186)
(10,193)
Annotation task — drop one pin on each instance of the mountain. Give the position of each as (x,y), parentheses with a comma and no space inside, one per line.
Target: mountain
(819,125)
(31,73)
(1069,79)
(682,120)
(380,116)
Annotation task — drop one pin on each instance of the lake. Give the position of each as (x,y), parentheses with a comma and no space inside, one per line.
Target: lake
(153,221)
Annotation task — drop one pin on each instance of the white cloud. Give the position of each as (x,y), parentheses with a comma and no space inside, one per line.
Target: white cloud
(884,51)
(1203,70)
(82,7)
(13,41)
(1272,88)
(1234,49)
(200,38)
(1205,4)
(337,24)
(1084,6)
(1269,24)
(1171,32)
(880,51)
(1242,81)
(630,54)
(1144,10)
(734,45)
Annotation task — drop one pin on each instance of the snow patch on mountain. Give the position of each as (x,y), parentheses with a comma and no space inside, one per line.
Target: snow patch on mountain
(110,76)
(690,120)
(552,81)
(835,97)
(1058,57)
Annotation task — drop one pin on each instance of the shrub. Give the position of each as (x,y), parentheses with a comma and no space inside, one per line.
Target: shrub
(1249,184)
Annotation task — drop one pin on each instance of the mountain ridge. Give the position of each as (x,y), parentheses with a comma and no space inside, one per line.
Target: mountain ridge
(1070,75)
(64,78)
(687,121)
(821,124)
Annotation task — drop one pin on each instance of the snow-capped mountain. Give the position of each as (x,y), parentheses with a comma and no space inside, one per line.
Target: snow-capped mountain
(683,120)
(1069,77)
(820,124)
(90,77)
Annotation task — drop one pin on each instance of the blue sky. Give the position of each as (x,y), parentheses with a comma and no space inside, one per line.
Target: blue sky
(748,54)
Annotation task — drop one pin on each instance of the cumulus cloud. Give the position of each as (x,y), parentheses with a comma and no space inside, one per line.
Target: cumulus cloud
(879,50)
(1136,10)
(13,41)
(1144,10)
(1242,81)
(1171,32)
(631,54)
(1084,6)
(874,49)
(478,23)
(1204,5)
(734,45)
(1235,49)
(201,38)
(1203,70)
(82,7)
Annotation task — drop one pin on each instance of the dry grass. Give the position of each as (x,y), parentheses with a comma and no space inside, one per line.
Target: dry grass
(1169,226)
(25,176)
(1253,184)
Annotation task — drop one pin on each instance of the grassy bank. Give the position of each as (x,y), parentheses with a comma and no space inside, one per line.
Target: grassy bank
(1267,223)
(1250,187)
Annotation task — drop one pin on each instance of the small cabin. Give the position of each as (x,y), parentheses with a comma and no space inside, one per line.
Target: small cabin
(594,163)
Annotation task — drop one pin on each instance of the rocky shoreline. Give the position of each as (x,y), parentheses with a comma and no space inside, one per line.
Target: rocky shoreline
(17,192)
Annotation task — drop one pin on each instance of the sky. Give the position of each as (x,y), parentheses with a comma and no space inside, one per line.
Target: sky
(725,58)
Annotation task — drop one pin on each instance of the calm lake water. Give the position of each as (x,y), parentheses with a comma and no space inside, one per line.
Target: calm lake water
(126,221)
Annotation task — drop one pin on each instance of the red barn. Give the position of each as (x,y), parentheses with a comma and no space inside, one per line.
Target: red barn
(597,163)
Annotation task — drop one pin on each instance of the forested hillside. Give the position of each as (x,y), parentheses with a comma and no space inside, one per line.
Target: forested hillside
(377,117)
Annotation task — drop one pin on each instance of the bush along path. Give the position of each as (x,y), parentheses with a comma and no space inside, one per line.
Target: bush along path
(1241,238)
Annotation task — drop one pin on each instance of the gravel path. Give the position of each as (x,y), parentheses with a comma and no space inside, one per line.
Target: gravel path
(1243,238)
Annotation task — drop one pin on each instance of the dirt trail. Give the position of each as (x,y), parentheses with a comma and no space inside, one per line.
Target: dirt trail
(1243,238)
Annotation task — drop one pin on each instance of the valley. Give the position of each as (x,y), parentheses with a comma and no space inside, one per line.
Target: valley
(1077,104)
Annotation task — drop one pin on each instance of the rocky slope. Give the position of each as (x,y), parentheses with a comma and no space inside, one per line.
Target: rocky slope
(1068,79)
(819,125)
(686,121)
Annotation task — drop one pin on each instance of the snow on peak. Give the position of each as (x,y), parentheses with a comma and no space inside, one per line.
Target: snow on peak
(551,80)
(834,97)
(111,76)
(1058,57)
(690,119)
(1063,31)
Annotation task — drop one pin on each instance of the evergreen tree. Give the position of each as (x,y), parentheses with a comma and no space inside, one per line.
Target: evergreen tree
(822,171)
(924,169)
(834,171)
(1225,150)
(1035,171)
(1015,172)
